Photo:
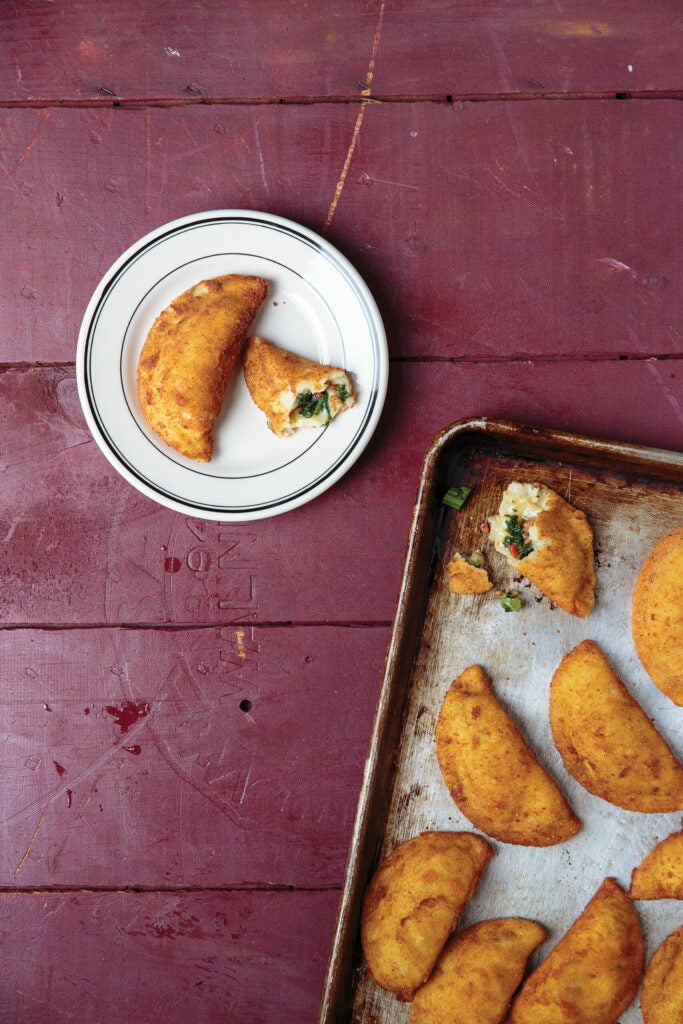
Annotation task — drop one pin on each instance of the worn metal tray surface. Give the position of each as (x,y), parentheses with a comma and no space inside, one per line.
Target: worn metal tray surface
(633,496)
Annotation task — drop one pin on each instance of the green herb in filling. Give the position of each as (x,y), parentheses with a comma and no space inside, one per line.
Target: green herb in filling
(309,405)
(509,603)
(515,539)
(455,497)
(343,392)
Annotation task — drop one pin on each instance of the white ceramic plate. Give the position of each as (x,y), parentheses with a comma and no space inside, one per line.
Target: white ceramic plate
(317,306)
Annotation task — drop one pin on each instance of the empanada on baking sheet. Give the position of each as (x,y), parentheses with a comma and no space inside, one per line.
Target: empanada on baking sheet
(550,542)
(188,358)
(477,973)
(659,876)
(491,772)
(413,902)
(292,391)
(657,615)
(592,975)
(468,575)
(661,1000)
(606,740)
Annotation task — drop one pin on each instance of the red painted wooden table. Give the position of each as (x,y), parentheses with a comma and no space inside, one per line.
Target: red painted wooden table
(183,737)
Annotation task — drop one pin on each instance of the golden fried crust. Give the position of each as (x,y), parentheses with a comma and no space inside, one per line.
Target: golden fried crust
(593,973)
(657,615)
(660,875)
(413,902)
(275,377)
(564,567)
(661,1000)
(465,578)
(492,774)
(606,740)
(478,973)
(188,357)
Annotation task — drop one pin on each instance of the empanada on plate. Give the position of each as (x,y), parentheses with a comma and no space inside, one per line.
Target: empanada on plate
(188,357)
(657,615)
(550,542)
(606,740)
(294,392)
(659,876)
(592,975)
(413,902)
(477,973)
(491,772)
(661,1000)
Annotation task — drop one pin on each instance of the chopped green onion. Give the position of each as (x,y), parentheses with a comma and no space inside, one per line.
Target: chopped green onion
(510,603)
(310,405)
(515,538)
(455,497)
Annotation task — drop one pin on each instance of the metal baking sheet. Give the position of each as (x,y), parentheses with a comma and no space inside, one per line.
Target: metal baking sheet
(633,496)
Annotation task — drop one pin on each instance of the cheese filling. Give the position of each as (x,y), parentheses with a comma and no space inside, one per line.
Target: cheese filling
(316,403)
(513,531)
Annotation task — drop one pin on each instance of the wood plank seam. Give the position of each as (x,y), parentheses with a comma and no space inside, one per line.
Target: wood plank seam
(109,100)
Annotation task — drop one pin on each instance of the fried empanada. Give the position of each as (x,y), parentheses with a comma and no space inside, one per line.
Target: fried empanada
(550,542)
(491,772)
(606,740)
(657,615)
(294,392)
(413,902)
(188,357)
(661,1000)
(478,973)
(659,876)
(592,974)
(466,577)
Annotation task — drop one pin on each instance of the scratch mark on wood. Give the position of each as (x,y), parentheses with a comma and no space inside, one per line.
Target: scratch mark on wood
(365,97)
(148,158)
(618,265)
(367,179)
(666,390)
(262,165)
(14,187)
(46,115)
(30,845)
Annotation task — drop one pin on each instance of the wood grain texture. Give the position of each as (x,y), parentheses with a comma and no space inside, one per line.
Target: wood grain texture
(89,51)
(83,546)
(517,247)
(484,230)
(167,958)
(223,757)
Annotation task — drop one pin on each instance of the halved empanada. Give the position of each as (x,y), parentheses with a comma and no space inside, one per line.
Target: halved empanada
(294,392)
(657,615)
(550,542)
(661,1000)
(188,357)
(478,973)
(491,772)
(659,876)
(606,740)
(413,902)
(592,974)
